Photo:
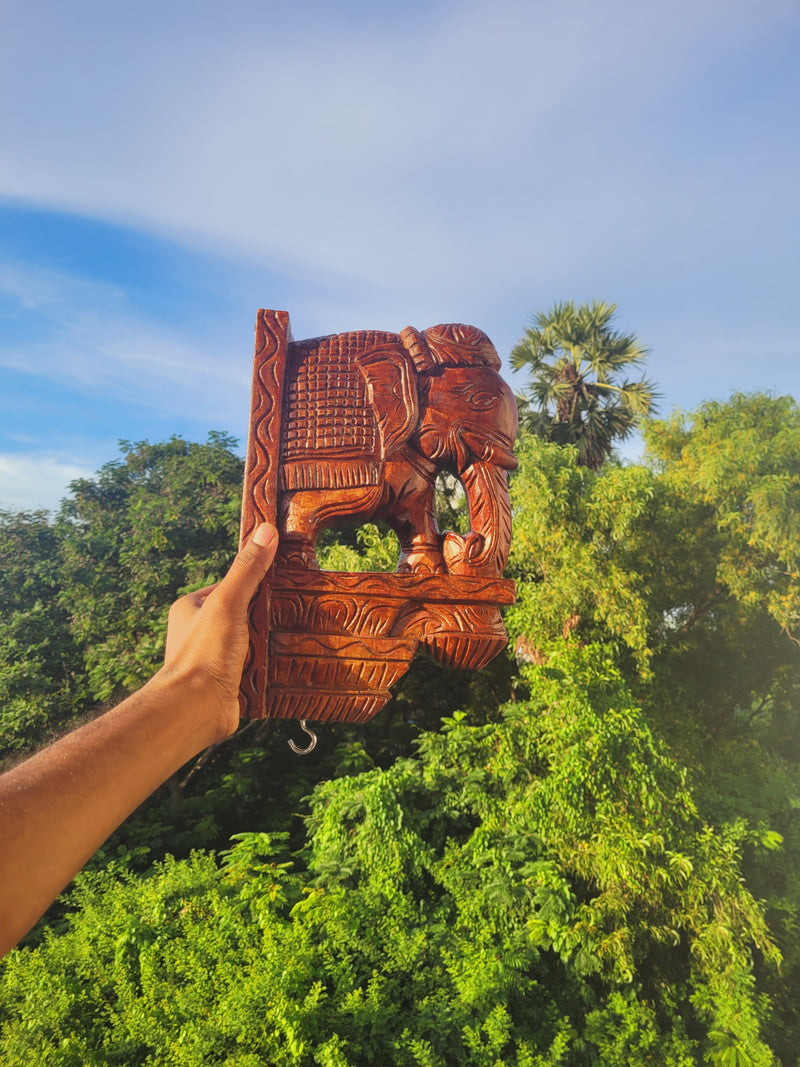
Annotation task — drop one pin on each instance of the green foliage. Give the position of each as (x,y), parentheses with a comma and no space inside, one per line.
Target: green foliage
(537,892)
(41,682)
(158,522)
(638,558)
(84,599)
(375,549)
(740,462)
(575,396)
(604,870)
(572,554)
(679,570)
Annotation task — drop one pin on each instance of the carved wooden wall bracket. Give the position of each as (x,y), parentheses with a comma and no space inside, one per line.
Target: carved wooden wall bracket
(359,425)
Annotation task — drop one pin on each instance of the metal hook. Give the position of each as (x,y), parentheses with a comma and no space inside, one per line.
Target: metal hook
(309,747)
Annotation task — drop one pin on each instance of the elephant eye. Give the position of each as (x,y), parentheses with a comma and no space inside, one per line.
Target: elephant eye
(482,399)
(477,395)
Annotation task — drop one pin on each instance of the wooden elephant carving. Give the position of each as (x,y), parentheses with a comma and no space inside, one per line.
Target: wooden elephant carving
(359,425)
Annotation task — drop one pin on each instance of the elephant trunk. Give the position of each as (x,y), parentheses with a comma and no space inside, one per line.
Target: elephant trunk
(483,552)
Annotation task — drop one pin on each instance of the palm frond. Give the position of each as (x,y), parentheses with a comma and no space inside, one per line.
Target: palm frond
(575,358)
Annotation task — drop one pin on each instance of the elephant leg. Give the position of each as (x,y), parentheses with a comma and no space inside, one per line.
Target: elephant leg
(304,512)
(297,531)
(408,507)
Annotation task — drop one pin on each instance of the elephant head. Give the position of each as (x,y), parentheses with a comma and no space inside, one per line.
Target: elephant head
(468,423)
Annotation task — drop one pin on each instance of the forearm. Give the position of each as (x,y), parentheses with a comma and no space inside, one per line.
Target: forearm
(58,807)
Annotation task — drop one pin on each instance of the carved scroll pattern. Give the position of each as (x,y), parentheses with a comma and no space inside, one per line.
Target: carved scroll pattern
(261,490)
(339,641)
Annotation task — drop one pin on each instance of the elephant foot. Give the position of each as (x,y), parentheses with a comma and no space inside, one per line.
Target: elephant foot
(426,559)
(294,553)
(469,556)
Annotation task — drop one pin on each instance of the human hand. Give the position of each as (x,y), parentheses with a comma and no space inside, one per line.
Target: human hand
(207,633)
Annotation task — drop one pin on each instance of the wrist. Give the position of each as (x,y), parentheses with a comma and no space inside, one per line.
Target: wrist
(193,695)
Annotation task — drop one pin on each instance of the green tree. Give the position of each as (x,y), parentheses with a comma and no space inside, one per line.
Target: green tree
(575,397)
(740,462)
(687,568)
(42,684)
(158,522)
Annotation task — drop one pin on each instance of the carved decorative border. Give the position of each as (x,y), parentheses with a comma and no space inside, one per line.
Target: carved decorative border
(260,496)
(339,641)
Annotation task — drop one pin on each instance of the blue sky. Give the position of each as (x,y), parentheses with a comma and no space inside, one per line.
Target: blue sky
(166,169)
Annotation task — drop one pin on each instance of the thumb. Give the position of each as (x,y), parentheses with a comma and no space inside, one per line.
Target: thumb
(249,566)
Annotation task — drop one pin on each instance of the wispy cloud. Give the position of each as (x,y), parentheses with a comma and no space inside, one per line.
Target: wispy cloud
(33,480)
(448,149)
(84,332)
(445,160)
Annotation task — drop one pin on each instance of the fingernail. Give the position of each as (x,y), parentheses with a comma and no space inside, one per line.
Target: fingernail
(264,535)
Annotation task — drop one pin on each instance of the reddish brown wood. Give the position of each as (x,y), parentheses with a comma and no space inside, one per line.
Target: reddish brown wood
(359,425)
(260,496)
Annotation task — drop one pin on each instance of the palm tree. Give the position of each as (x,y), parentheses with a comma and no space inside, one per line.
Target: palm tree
(575,397)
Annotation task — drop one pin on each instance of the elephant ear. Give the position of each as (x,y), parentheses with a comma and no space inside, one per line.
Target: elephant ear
(392,391)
